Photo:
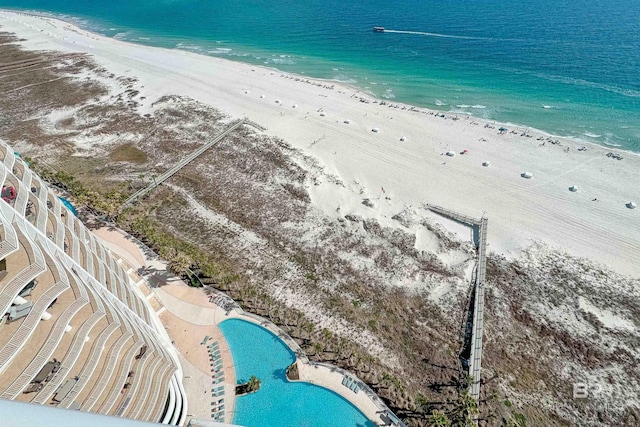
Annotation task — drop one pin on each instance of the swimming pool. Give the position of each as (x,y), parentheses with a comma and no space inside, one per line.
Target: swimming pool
(68,205)
(256,351)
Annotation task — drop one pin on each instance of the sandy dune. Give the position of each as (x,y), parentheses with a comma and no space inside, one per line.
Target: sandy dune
(592,222)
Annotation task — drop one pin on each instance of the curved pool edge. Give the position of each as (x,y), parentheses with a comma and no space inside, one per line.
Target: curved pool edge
(321,374)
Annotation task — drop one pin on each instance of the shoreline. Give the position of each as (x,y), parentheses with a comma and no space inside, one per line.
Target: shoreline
(79,21)
(312,114)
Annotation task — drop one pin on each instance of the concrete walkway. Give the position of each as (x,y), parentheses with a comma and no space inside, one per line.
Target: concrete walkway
(188,317)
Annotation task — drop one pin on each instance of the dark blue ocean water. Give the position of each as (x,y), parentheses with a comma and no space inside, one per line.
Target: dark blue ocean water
(569,67)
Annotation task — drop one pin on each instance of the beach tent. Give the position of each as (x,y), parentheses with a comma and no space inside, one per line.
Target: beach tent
(527,175)
(322,114)
(631,205)
(375,130)
(573,188)
(403,138)
(450,153)
(347,121)
(486,163)
(277,101)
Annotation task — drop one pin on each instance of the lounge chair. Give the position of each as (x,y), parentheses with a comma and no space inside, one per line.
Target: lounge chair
(344,381)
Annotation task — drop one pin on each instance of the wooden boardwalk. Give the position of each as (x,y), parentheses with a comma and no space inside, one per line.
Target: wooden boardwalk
(475,361)
(182,163)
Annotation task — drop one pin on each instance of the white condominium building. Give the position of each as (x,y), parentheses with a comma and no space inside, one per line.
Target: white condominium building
(75,332)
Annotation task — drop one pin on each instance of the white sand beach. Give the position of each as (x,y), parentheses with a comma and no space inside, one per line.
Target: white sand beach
(335,123)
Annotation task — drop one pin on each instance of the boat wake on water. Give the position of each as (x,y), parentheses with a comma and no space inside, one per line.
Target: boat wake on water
(447,36)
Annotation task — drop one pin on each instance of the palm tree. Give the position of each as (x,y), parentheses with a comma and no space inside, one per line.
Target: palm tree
(180,264)
(253,384)
(439,419)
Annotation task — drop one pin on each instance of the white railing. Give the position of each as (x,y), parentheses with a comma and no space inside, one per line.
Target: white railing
(162,388)
(27,327)
(146,393)
(59,231)
(75,248)
(10,242)
(125,367)
(100,386)
(20,280)
(42,205)
(9,160)
(46,351)
(90,366)
(69,360)
(23,191)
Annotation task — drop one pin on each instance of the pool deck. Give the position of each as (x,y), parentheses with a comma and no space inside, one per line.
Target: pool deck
(189,316)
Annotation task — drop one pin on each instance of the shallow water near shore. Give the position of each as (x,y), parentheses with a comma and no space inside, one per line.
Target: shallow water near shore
(567,68)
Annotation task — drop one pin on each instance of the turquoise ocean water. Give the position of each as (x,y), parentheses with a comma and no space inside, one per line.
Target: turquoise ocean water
(568,67)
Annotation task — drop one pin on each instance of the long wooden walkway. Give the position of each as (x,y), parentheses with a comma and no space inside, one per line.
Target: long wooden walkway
(182,163)
(475,361)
